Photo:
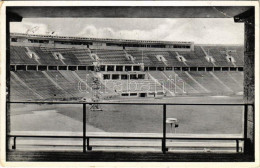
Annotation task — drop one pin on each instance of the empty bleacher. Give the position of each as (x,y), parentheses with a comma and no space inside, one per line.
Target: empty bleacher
(112,56)
(230,80)
(19,56)
(39,84)
(217,52)
(59,84)
(181,82)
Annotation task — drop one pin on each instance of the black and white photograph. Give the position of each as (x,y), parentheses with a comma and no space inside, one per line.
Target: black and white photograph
(139,82)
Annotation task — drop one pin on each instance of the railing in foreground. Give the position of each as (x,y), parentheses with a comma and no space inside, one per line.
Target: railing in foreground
(163,138)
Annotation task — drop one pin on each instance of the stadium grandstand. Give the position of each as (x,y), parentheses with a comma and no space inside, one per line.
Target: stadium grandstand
(125,68)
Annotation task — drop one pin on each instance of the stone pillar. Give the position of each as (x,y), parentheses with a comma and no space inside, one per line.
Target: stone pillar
(10,17)
(248,18)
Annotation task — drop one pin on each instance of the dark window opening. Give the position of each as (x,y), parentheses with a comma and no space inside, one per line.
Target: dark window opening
(128,68)
(13,39)
(52,68)
(44,41)
(168,68)
(72,68)
(42,68)
(124,77)
(177,68)
(62,67)
(217,68)
(193,68)
(209,69)
(119,68)
(32,67)
(106,76)
(133,94)
(141,76)
(142,94)
(152,68)
(136,68)
(133,76)
(160,68)
(91,68)
(185,68)
(115,76)
(225,68)
(12,67)
(110,68)
(124,94)
(146,68)
(201,68)
(81,68)
(233,68)
(102,68)
(240,68)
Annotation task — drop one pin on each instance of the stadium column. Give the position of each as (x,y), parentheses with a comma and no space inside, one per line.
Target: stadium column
(248,18)
(10,17)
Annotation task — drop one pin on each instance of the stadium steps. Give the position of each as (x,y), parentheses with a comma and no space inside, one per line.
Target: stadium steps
(162,78)
(132,85)
(63,83)
(46,56)
(140,57)
(220,58)
(19,55)
(70,76)
(20,91)
(22,88)
(154,60)
(229,81)
(188,87)
(88,78)
(195,84)
(221,82)
(238,55)
(238,77)
(82,56)
(15,56)
(40,84)
(209,82)
(112,56)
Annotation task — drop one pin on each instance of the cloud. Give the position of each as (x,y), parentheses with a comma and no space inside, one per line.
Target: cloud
(199,30)
(30,28)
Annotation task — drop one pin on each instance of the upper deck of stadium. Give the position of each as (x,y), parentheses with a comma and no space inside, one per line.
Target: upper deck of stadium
(63,50)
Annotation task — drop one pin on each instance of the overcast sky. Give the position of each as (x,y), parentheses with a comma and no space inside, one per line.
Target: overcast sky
(200,31)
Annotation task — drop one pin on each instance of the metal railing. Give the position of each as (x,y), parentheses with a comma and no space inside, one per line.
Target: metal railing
(86,138)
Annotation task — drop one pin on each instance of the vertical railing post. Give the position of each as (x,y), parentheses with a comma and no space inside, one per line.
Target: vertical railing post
(164,130)
(245,127)
(14,145)
(237,145)
(84,127)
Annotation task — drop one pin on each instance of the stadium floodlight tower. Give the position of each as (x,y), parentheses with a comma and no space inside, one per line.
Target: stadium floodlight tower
(96,85)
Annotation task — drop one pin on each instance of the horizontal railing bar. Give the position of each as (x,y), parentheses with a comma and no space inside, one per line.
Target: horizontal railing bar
(118,137)
(129,103)
(43,136)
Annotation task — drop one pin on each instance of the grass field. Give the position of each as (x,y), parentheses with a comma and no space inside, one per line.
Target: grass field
(132,118)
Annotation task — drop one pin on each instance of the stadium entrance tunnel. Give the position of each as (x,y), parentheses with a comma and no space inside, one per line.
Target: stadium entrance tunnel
(143,94)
